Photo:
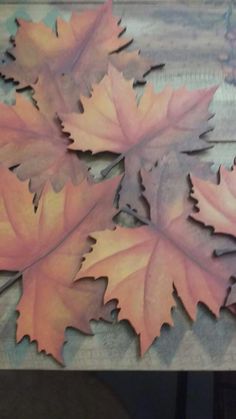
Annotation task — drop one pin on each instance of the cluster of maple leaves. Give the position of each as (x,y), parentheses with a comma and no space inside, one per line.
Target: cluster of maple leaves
(61,228)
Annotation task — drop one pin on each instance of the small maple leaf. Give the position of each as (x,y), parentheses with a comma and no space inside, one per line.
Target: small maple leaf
(216,204)
(47,248)
(144,265)
(142,133)
(81,49)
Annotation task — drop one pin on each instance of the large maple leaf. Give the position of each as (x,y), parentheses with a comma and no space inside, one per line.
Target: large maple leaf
(31,139)
(144,265)
(46,247)
(142,133)
(216,203)
(80,48)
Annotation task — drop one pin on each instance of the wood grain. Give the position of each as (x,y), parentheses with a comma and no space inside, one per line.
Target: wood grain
(189,40)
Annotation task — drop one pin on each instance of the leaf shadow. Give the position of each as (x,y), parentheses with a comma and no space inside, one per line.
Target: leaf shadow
(108,346)
(166,346)
(214,334)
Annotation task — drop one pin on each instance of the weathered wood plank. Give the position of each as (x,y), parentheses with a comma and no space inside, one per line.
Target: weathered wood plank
(189,40)
(179,35)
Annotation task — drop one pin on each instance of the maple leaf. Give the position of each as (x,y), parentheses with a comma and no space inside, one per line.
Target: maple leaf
(46,247)
(80,48)
(144,265)
(51,94)
(142,133)
(216,204)
(31,139)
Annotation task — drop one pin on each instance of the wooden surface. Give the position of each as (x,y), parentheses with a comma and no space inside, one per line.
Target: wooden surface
(189,39)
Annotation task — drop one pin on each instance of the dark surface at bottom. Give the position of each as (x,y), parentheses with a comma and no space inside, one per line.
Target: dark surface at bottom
(117,395)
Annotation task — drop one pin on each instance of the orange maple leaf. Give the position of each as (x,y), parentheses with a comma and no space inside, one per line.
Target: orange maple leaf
(144,265)
(80,48)
(216,204)
(142,133)
(46,247)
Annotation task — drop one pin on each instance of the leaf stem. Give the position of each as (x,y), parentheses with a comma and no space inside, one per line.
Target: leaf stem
(129,211)
(10,282)
(107,169)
